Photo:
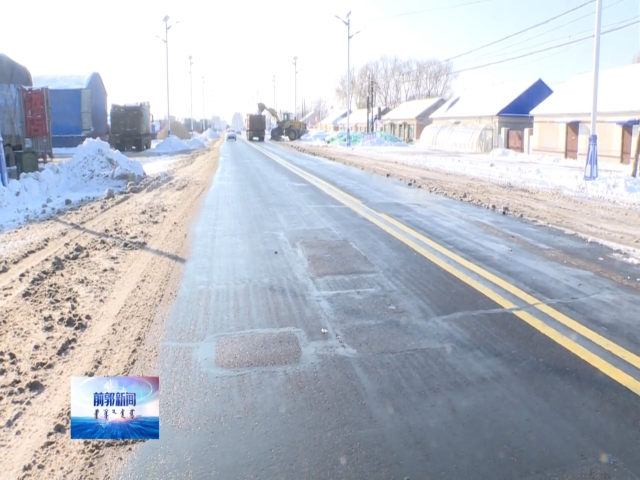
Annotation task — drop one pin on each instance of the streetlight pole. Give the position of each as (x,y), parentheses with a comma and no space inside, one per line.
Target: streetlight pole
(295,88)
(191,89)
(167,27)
(349,37)
(274,92)
(203,113)
(591,167)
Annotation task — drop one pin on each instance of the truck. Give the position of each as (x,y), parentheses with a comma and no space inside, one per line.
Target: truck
(25,126)
(131,126)
(286,126)
(256,126)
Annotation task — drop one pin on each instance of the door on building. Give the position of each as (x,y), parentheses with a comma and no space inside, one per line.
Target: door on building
(625,156)
(571,150)
(514,140)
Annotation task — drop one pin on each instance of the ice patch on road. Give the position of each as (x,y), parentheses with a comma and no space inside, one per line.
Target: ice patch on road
(93,168)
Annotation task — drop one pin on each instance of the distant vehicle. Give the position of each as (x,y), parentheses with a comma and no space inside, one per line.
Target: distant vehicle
(256,127)
(131,127)
(231,135)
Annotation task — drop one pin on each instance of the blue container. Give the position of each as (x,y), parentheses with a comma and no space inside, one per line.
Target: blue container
(66,112)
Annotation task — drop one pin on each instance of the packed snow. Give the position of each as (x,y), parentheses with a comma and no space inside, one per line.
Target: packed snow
(378,139)
(93,169)
(172,144)
(208,135)
(195,143)
(508,167)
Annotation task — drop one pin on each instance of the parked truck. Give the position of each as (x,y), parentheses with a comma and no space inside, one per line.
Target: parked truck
(131,126)
(25,126)
(256,126)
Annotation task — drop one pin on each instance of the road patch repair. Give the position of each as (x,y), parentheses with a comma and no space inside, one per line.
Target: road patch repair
(605,355)
(254,351)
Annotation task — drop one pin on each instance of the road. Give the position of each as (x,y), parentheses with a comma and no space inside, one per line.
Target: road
(345,325)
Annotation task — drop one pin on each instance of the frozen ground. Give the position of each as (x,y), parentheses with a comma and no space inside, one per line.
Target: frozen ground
(510,168)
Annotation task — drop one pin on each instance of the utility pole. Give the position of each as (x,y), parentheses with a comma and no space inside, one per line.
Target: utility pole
(369,106)
(203,113)
(274,92)
(347,22)
(167,27)
(295,88)
(191,89)
(591,166)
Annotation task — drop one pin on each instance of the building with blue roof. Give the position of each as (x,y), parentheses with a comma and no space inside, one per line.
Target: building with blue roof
(78,107)
(481,119)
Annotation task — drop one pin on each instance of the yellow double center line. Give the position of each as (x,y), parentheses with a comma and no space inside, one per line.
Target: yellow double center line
(383,221)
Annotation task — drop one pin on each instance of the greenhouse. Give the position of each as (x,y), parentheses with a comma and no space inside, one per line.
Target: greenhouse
(463,138)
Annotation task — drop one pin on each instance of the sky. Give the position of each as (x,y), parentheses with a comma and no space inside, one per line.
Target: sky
(238,48)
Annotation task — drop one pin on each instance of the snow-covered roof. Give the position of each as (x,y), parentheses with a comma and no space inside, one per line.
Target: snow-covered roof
(333,117)
(63,82)
(617,93)
(483,101)
(357,116)
(307,116)
(411,109)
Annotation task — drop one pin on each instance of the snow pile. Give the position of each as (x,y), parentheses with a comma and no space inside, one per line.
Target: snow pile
(93,168)
(377,139)
(172,144)
(195,143)
(382,139)
(208,135)
(316,137)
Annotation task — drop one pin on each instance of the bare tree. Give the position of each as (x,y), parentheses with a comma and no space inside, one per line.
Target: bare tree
(237,121)
(320,108)
(341,87)
(637,59)
(396,81)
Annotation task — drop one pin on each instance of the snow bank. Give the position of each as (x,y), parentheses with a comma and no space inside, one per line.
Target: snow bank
(208,135)
(507,167)
(172,144)
(93,168)
(195,143)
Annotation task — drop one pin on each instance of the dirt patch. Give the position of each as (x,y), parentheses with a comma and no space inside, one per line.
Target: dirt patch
(79,294)
(590,218)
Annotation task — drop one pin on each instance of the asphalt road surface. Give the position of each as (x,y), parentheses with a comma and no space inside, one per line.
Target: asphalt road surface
(336,324)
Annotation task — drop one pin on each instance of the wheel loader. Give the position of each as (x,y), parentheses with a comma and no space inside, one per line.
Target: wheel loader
(287,126)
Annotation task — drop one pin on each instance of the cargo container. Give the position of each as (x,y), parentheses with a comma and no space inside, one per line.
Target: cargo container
(130,126)
(25,123)
(256,126)
(78,108)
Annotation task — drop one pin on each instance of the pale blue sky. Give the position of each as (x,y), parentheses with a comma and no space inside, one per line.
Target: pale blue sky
(239,46)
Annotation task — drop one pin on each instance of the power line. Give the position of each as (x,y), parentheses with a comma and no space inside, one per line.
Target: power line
(558,39)
(489,55)
(521,31)
(431,10)
(546,49)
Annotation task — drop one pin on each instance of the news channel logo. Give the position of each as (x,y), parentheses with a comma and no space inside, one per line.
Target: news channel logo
(115,408)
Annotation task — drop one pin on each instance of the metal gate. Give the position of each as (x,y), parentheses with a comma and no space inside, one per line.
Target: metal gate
(514,141)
